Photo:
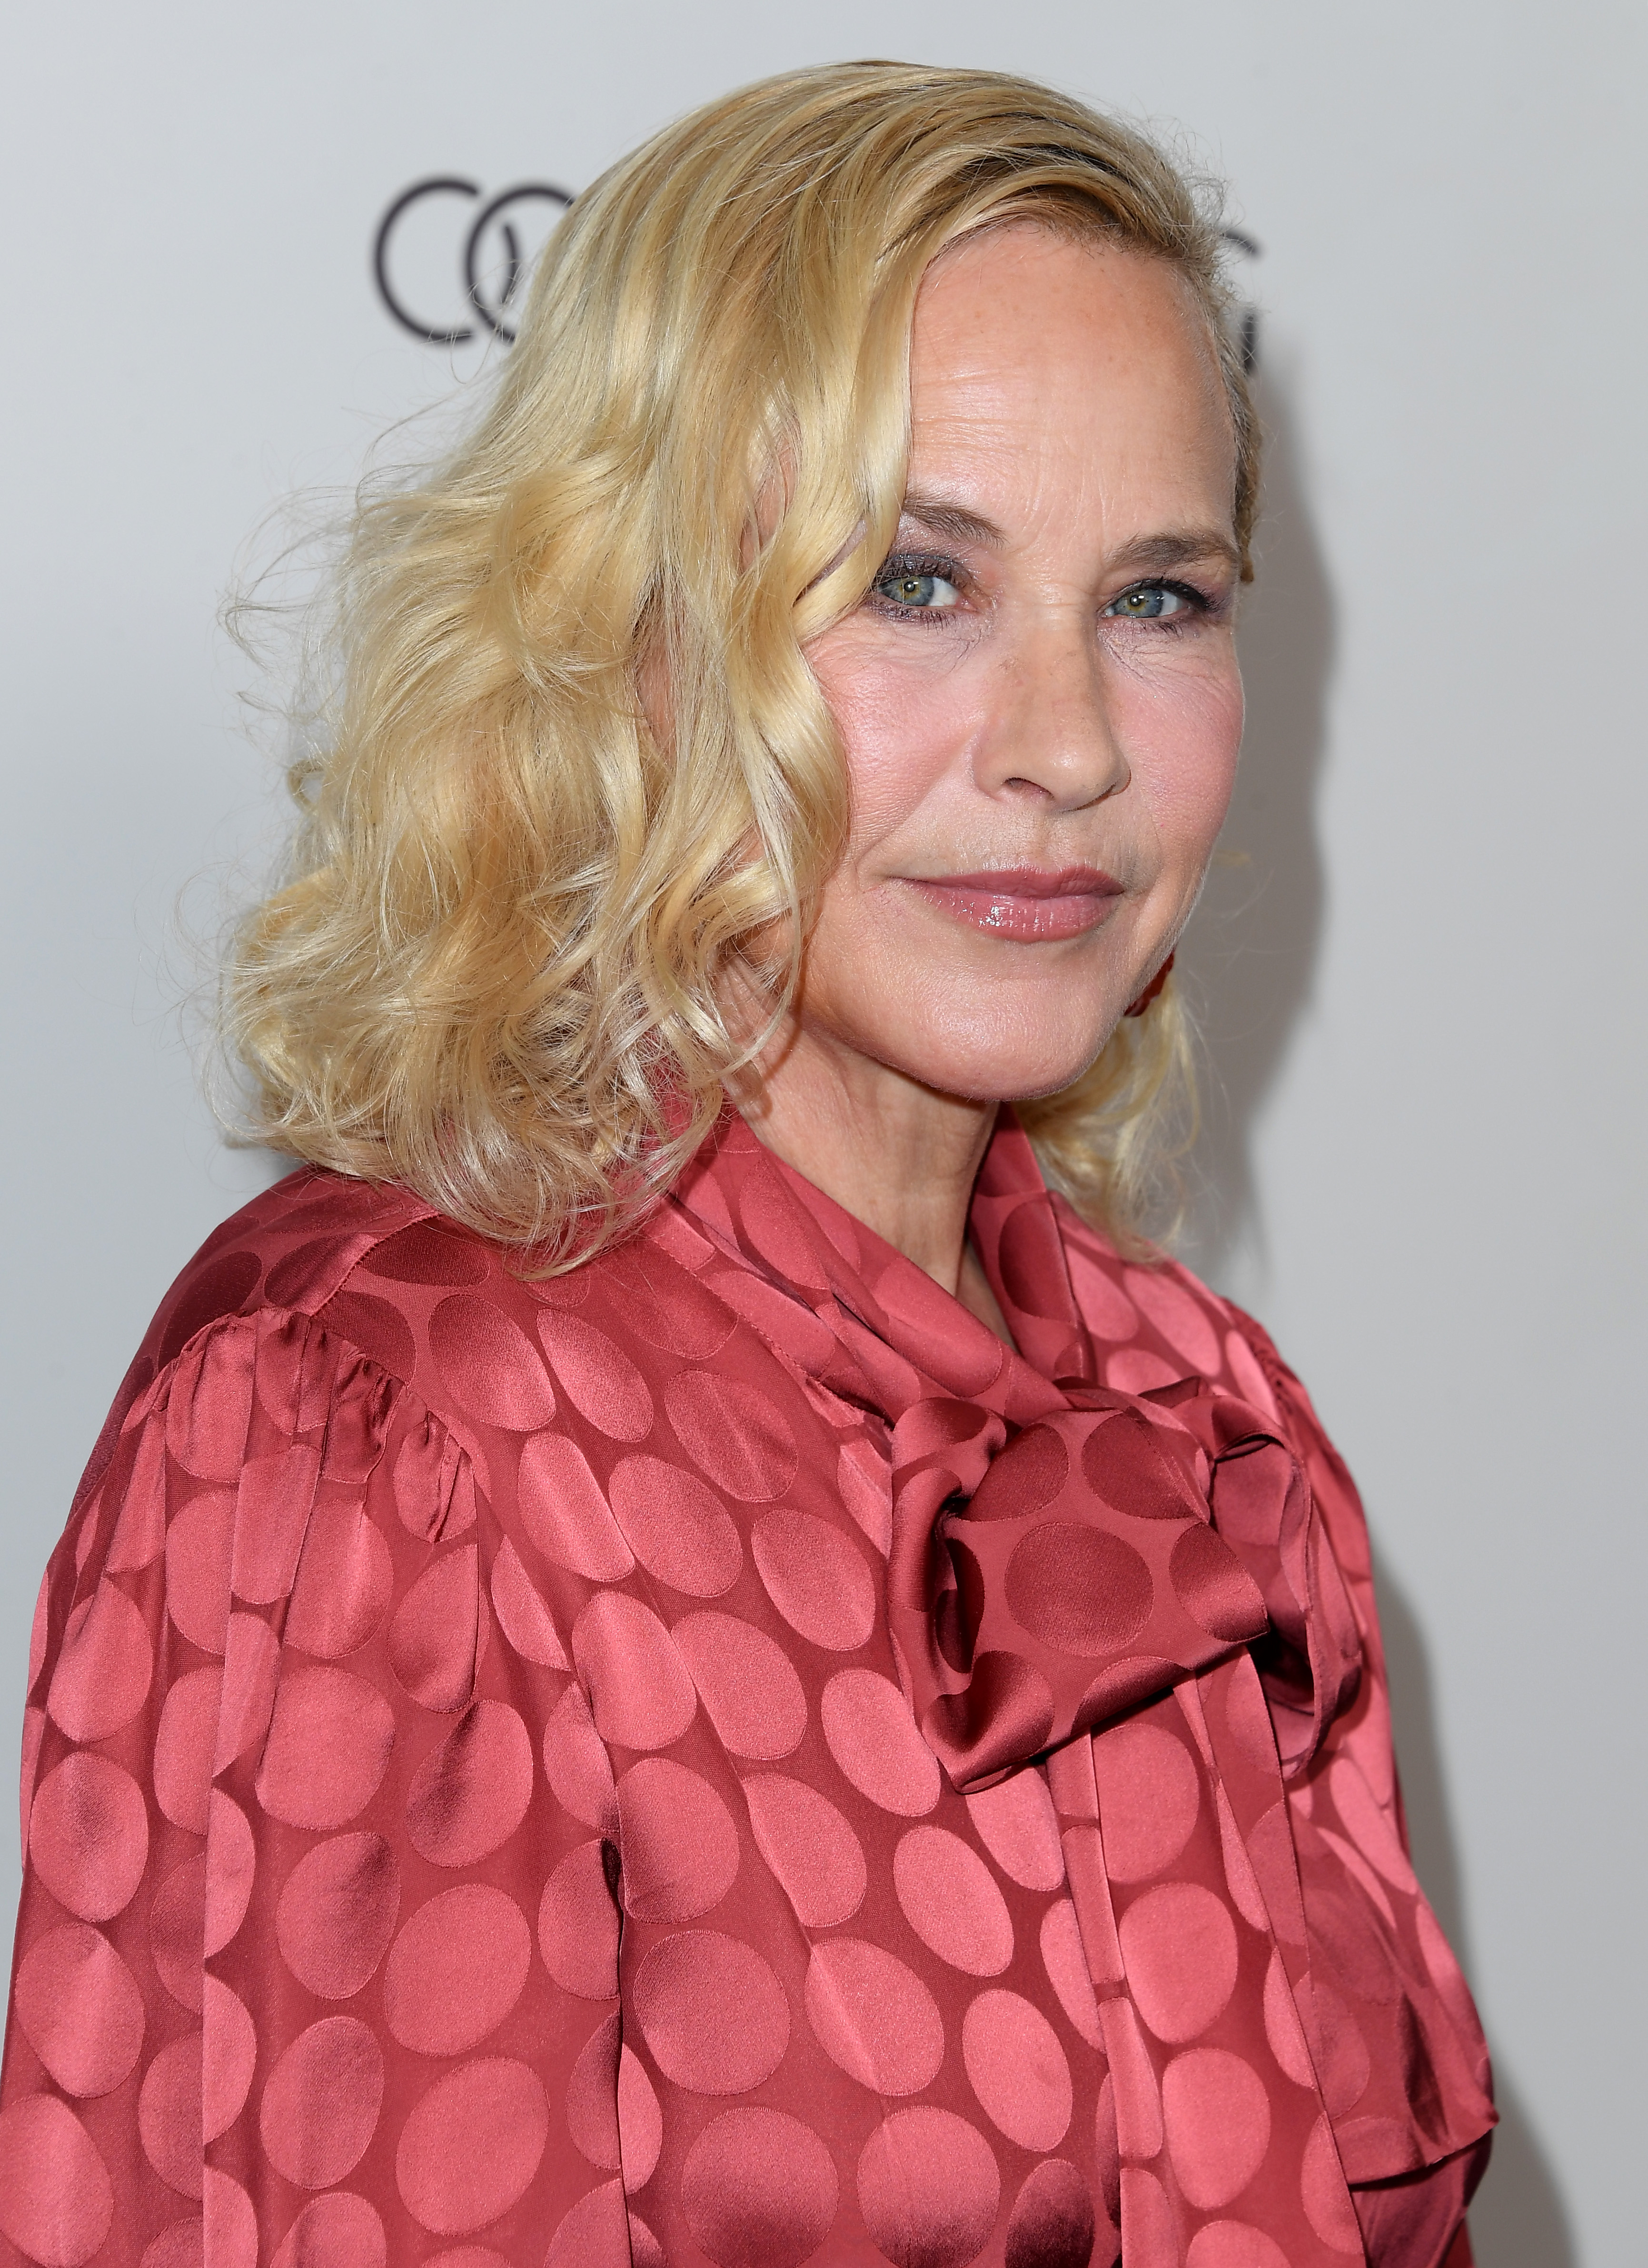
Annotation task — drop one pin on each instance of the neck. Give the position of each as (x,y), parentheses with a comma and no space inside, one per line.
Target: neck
(900,1157)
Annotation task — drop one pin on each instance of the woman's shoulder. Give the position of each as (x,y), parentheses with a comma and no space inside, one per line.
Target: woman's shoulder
(254,1293)
(434,1306)
(1154,1321)
(293,1247)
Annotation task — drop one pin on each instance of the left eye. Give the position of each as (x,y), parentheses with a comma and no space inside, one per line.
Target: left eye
(1148,603)
(920,593)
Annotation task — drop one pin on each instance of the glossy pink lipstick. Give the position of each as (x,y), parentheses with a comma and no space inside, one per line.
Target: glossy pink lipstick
(1025,902)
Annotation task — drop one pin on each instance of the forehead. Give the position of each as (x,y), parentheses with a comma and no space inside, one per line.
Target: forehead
(1038,362)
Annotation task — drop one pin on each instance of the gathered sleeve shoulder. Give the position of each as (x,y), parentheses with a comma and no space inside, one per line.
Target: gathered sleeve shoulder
(289,1859)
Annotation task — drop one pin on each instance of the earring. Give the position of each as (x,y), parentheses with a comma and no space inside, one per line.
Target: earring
(1155,985)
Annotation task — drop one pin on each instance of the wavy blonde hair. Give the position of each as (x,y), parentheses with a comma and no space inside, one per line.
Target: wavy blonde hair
(496,969)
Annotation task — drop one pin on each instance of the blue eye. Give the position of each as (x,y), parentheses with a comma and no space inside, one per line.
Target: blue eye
(915,588)
(1152,602)
(919,584)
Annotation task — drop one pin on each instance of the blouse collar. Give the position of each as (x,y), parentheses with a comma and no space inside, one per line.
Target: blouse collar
(902,1332)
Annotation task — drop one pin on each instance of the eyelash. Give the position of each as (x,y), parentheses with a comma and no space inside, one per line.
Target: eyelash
(1199,606)
(918,563)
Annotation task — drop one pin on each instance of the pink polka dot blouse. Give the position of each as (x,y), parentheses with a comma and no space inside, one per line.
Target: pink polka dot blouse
(715,1760)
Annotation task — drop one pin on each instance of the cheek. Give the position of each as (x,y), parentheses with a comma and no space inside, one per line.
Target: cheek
(901,726)
(1183,738)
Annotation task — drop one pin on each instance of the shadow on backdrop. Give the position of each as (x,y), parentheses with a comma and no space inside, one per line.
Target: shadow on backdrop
(1250,955)
(1249,962)
(1519,2220)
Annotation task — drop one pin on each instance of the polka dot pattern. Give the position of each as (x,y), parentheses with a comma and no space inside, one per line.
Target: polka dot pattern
(713,2014)
(434,1637)
(598,1377)
(57,2200)
(1180,1949)
(749,1687)
(1217,2117)
(929,2186)
(1065,1958)
(592,2098)
(169,2114)
(1017,1825)
(578,1925)
(1149,1794)
(676,1526)
(88,1838)
(456,1970)
(873,2014)
(488,1365)
(1052,2224)
(104,1668)
(228,2057)
(759,2189)
(471,2147)
(566,1513)
(1017,2069)
(80,2008)
(874,1741)
(680,1848)
(641,1693)
(339,2230)
(326,1751)
(320,2103)
(469,1795)
(576,1762)
(810,1847)
(951,1901)
(343,1586)
(817,1579)
(712,1757)
(336,1913)
(199,1547)
(734,1433)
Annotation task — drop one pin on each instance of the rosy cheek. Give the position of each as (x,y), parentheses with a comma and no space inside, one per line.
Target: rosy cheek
(1183,749)
(899,737)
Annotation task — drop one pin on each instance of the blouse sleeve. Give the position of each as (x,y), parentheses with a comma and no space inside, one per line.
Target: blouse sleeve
(311,1962)
(1353,1791)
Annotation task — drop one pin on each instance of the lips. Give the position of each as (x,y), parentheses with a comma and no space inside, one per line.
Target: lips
(1027,903)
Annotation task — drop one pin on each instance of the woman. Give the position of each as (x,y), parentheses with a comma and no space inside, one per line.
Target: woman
(667,1656)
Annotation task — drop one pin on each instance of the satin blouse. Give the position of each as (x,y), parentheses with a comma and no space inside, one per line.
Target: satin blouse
(716,1760)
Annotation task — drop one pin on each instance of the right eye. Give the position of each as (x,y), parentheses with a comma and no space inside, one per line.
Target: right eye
(919,590)
(917,587)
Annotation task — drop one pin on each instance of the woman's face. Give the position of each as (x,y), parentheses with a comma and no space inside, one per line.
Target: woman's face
(1039,699)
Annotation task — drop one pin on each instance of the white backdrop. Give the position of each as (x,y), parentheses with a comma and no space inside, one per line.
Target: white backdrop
(1420,962)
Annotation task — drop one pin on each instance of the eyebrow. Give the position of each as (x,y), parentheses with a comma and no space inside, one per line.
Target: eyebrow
(1175,547)
(952,519)
(1146,555)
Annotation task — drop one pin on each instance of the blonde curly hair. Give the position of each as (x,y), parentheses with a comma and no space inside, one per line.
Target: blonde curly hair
(496,969)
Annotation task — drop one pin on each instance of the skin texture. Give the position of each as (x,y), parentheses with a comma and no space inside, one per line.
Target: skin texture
(1045,678)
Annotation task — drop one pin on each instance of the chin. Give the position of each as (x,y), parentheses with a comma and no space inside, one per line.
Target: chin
(989,1066)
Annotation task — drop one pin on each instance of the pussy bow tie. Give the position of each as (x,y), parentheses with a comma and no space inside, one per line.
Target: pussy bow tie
(1067,1562)
(1043,1582)
(1047,1581)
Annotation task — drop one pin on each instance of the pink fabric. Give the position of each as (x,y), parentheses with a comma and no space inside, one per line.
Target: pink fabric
(1419,2218)
(551,1773)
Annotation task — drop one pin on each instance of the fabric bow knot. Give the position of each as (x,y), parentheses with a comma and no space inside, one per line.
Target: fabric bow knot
(1045,1581)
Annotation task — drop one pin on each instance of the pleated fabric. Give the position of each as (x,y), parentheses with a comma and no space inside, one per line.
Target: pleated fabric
(715,1759)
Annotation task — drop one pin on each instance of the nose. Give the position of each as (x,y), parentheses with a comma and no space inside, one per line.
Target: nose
(1050,735)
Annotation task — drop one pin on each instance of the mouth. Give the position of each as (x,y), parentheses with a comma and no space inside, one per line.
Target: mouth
(1027,903)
